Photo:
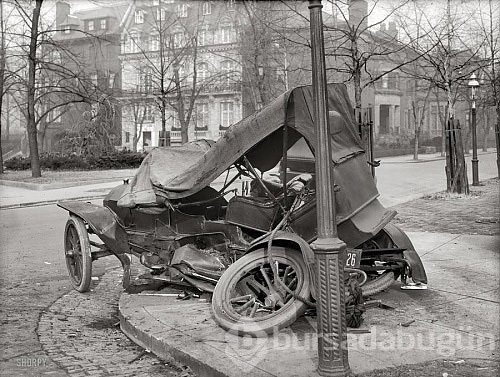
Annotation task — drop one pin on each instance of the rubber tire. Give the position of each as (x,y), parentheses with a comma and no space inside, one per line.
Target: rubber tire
(83,284)
(294,308)
(378,284)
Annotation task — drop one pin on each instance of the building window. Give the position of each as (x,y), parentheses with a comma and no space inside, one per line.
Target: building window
(155,42)
(178,39)
(160,14)
(148,82)
(203,72)
(145,84)
(176,125)
(146,139)
(182,10)
(226,34)
(127,137)
(148,114)
(384,84)
(125,44)
(67,29)
(230,5)
(103,24)
(226,114)
(227,70)
(134,42)
(202,116)
(207,8)
(90,25)
(202,38)
(393,80)
(93,79)
(139,16)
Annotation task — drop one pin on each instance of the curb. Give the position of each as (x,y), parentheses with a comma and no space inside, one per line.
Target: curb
(49,202)
(423,160)
(144,330)
(51,186)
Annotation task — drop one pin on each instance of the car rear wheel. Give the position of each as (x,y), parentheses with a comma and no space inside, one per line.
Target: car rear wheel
(78,254)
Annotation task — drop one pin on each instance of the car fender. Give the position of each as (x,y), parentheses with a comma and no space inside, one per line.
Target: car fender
(293,241)
(102,221)
(402,241)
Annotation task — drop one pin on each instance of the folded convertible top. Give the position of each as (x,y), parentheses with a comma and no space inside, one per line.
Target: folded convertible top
(178,172)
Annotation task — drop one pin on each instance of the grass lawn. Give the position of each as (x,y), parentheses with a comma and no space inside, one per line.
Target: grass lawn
(68,176)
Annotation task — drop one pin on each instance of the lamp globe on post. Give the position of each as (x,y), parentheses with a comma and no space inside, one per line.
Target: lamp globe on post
(473,85)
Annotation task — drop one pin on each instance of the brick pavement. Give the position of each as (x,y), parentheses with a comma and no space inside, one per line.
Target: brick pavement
(477,213)
(81,333)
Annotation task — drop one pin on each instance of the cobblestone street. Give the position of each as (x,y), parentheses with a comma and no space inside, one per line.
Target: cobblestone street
(81,333)
(477,213)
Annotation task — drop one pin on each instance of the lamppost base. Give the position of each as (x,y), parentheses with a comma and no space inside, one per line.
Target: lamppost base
(336,372)
(332,330)
(475,172)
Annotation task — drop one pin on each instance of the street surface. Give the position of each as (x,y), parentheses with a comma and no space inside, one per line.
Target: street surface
(33,277)
(395,176)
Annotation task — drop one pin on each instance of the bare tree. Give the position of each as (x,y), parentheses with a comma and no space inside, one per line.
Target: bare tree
(487,32)
(167,64)
(54,79)
(31,125)
(2,78)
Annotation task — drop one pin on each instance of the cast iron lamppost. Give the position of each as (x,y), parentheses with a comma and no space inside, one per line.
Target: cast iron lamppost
(473,84)
(328,248)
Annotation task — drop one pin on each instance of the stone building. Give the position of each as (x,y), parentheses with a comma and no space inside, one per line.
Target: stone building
(173,52)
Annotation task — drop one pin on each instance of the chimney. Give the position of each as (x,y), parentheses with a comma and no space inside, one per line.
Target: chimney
(62,11)
(358,11)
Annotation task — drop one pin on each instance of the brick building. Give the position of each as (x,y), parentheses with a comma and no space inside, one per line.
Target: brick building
(88,43)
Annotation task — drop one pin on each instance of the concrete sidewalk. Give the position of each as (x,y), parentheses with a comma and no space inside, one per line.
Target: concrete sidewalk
(12,197)
(457,318)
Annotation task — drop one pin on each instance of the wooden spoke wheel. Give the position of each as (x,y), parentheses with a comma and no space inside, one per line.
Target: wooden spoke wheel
(78,254)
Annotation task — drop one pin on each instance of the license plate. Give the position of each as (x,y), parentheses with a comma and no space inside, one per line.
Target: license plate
(353,259)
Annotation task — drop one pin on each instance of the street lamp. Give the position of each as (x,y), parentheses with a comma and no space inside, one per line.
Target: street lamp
(473,84)
(328,248)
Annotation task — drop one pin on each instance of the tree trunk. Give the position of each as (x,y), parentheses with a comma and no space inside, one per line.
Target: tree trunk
(415,147)
(31,126)
(497,137)
(486,128)
(2,78)
(163,121)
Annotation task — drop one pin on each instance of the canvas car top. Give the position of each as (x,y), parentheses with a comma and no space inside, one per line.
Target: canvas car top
(178,172)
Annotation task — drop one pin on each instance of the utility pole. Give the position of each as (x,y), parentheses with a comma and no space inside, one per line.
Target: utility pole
(328,248)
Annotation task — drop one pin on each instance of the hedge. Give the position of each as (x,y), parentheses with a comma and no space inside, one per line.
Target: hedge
(115,160)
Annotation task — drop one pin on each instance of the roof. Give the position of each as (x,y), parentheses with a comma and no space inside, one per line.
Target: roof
(77,19)
(176,173)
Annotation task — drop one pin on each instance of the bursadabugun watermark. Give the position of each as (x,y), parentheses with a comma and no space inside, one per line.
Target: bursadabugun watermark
(248,351)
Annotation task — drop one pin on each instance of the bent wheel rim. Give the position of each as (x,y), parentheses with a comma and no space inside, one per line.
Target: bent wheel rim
(253,293)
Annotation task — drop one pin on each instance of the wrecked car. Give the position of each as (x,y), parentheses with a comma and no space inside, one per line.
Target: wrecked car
(228,217)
